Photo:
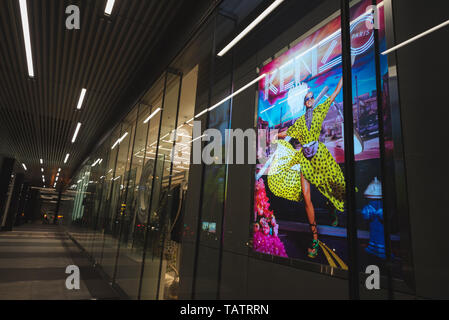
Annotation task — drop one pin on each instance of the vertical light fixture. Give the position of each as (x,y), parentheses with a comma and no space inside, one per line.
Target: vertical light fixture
(42,161)
(26,36)
(109,7)
(66,158)
(24,167)
(81,100)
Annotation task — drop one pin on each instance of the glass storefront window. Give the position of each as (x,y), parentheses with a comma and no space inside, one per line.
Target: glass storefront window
(162,149)
(176,183)
(110,244)
(101,183)
(128,262)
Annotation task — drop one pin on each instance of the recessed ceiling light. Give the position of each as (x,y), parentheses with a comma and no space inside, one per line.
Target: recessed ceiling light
(66,158)
(77,130)
(109,7)
(24,166)
(26,36)
(81,100)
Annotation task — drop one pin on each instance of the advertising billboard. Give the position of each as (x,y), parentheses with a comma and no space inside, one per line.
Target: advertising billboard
(299,201)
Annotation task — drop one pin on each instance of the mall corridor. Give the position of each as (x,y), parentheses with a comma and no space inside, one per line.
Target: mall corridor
(33,261)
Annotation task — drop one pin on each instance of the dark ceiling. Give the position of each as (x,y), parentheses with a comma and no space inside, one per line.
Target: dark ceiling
(107,56)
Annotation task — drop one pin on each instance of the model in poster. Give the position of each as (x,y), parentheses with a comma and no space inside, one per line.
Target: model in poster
(317,166)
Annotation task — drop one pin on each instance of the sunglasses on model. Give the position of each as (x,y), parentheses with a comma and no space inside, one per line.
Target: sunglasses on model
(309,98)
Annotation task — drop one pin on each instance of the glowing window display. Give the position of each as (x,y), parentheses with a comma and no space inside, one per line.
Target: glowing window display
(299,201)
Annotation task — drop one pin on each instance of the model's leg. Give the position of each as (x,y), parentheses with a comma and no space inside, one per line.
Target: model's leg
(310,210)
(333,214)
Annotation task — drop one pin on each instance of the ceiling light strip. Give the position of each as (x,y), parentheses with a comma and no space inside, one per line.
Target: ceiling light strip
(252,25)
(77,130)
(119,140)
(81,99)
(109,7)
(237,92)
(152,115)
(419,36)
(26,36)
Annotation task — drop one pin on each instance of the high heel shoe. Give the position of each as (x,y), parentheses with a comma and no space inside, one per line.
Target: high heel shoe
(334,217)
(332,213)
(315,243)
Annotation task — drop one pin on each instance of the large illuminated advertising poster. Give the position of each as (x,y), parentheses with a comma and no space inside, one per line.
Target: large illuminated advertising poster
(299,208)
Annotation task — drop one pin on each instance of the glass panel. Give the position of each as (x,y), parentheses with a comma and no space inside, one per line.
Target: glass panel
(82,210)
(130,256)
(180,160)
(212,211)
(91,206)
(379,238)
(109,252)
(99,178)
(151,118)
(215,175)
(161,200)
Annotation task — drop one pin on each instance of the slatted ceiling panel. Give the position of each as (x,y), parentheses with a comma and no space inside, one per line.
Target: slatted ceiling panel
(38,116)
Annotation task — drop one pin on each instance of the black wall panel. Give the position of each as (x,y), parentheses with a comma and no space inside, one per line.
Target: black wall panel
(422,72)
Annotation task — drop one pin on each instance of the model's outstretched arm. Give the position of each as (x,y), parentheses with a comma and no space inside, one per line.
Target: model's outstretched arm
(282,135)
(337,90)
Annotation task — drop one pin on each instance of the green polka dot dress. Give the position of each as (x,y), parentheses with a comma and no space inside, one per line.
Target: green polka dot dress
(284,178)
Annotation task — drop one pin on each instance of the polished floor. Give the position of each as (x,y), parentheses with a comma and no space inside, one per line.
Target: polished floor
(33,261)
